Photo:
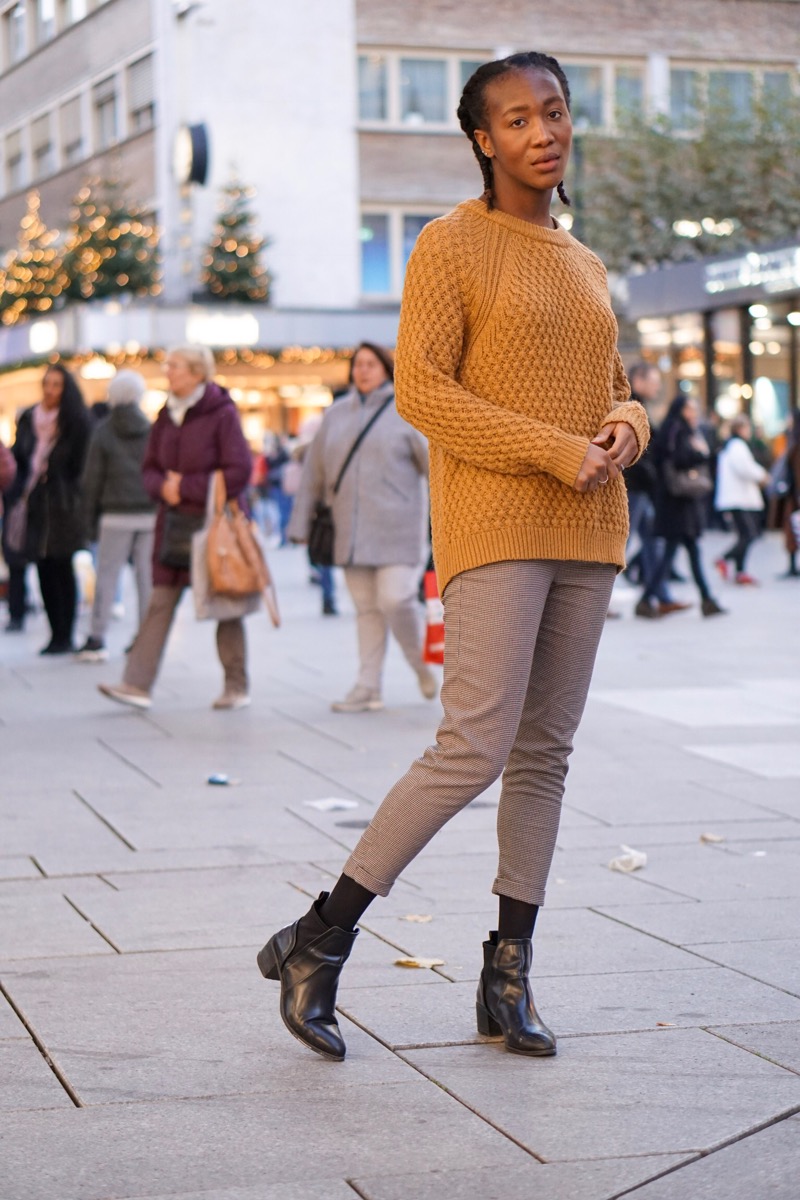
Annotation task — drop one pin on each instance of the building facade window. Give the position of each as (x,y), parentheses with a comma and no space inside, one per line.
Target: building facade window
(684,99)
(629,94)
(45,20)
(387,239)
(72,146)
(776,86)
(141,98)
(402,90)
(15,162)
(104,98)
(423,91)
(586,92)
(16,39)
(372,87)
(732,90)
(42,148)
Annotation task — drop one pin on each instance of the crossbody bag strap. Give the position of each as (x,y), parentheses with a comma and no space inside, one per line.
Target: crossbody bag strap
(359,440)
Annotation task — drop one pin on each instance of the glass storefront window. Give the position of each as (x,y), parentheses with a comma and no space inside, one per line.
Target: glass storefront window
(372,87)
(770,345)
(423,90)
(376,271)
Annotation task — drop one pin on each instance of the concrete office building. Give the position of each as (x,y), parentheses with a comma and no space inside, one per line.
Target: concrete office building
(341,114)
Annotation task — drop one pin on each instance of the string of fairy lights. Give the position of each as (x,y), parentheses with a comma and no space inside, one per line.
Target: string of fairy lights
(111,248)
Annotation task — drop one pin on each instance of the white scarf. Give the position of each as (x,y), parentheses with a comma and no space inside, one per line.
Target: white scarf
(178,406)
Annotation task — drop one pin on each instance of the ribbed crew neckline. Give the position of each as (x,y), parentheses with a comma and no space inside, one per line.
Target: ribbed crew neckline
(537,233)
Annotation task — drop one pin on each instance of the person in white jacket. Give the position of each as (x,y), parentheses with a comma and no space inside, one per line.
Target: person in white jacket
(739,482)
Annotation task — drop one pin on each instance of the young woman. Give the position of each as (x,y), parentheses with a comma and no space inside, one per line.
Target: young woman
(739,482)
(44,509)
(507,362)
(196,433)
(380,518)
(680,519)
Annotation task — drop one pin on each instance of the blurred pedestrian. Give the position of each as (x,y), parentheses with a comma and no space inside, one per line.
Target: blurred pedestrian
(507,362)
(119,514)
(196,433)
(8,468)
(280,501)
(785,503)
(680,449)
(739,496)
(380,518)
(44,511)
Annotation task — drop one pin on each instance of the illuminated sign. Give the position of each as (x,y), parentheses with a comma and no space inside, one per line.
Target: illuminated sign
(773,270)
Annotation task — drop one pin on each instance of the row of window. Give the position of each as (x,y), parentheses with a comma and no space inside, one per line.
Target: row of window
(405,91)
(387,239)
(86,124)
(30,23)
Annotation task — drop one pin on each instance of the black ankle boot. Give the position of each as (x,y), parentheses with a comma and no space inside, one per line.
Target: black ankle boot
(505,1000)
(307,958)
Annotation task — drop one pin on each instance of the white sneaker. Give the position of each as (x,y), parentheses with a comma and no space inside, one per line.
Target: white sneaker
(125,693)
(232,700)
(428,683)
(359,699)
(92,651)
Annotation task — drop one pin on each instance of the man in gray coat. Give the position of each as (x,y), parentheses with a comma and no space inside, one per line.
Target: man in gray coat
(380,517)
(119,514)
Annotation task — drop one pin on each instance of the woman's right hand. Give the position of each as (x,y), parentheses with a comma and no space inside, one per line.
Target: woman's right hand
(598,469)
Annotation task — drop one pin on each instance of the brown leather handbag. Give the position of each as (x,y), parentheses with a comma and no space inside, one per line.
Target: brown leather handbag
(236,562)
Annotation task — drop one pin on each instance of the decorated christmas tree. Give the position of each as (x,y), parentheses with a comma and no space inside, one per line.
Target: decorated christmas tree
(232,268)
(112,246)
(32,278)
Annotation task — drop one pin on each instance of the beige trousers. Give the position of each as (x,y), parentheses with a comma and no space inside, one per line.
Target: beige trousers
(144,660)
(520,645)
(385,600)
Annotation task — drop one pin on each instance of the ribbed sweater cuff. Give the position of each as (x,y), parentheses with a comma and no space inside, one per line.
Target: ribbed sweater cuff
(567,457)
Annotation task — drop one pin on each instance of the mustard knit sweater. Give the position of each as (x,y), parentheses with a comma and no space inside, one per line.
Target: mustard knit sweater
(507,361)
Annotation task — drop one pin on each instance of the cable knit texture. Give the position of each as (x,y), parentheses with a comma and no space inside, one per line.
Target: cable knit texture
(507,361)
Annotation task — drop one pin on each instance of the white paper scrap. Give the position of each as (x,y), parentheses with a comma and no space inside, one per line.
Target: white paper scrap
(630,860)
(331,804)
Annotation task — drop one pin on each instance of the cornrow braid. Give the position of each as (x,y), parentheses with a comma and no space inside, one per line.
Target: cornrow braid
(472,113)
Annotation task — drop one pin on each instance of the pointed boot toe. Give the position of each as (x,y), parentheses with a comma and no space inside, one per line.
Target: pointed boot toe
(505,1003)
(307,957)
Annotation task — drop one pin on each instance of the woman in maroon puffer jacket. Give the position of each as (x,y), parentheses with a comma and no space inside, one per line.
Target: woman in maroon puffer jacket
(196,433)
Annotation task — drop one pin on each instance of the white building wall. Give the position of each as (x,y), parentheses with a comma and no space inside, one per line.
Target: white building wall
(275,84)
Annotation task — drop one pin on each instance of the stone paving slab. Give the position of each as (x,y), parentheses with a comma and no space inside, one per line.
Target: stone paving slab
(734,833)
(576,1004)
(712,921)
(160,1148)
(39,923)
(28,1082)
(779,1042)
(10,1024)
(571,941)
(174,1025)
(531,1181)
(670,1091)
(774,961)
(17,867)
(317,1189)
(761,1165)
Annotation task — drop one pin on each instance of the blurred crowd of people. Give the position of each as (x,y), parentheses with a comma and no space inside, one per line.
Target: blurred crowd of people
(106,479)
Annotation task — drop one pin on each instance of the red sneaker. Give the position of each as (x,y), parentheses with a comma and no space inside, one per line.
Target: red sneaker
(746,579)
(722,567)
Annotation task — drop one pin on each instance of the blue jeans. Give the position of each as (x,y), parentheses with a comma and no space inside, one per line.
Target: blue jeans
(642,517)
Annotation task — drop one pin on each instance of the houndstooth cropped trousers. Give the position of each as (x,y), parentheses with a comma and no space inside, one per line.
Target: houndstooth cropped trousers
(520,645)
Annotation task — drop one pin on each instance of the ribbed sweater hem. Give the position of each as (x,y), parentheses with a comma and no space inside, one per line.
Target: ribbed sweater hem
(524,542)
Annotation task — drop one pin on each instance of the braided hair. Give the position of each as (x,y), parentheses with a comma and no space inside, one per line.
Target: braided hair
(472,113)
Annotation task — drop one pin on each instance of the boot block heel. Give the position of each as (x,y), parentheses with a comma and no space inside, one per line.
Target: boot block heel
(487,1026)
(267,962)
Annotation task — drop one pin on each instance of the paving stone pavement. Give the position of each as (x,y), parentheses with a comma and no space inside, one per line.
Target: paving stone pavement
(142,1055)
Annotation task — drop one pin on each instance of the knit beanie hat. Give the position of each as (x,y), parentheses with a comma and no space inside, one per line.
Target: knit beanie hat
(127,387)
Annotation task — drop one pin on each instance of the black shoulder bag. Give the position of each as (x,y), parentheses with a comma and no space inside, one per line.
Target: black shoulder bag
(322,534)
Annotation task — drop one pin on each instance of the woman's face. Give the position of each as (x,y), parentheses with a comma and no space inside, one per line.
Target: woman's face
(530,130)
(368,371)
(52,389)
(181,376)
(691,413)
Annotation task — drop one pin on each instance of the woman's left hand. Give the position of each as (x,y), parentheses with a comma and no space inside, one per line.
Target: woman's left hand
(620,441)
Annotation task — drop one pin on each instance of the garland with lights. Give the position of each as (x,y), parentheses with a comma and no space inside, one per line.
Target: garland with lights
(32,278)
(111,247)
(232,268)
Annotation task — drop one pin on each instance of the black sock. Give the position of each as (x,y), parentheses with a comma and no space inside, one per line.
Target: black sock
(346,904)
(516,919)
